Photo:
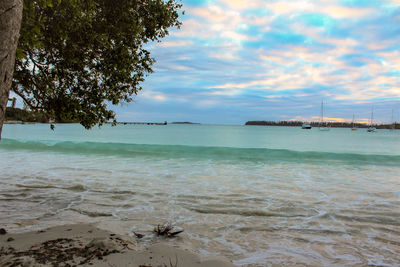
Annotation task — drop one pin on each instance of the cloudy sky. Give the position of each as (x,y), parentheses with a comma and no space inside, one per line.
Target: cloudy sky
(239,60)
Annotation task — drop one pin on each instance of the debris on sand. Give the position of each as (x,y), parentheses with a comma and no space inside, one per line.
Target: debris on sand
(168,230)
(62,252)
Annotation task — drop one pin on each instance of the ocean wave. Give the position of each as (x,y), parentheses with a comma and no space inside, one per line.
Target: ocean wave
(93,213)
(77,188)
(198,153)
(242,212)
(35,186)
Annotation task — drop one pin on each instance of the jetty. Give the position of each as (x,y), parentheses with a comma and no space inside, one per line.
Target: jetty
(143,123)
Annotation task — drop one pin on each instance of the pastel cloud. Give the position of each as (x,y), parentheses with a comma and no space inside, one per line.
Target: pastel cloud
(340,12)
(241,55)
(288,7)
(175,43)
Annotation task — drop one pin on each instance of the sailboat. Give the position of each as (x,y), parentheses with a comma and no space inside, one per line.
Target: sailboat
(352,127)
(323,126)
(371,128)
(306,125)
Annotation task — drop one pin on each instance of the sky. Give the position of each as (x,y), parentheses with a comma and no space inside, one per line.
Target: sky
(238,60)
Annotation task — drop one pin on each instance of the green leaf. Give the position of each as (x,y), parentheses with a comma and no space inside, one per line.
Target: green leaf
(75,56)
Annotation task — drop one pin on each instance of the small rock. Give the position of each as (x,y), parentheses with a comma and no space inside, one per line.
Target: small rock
(3,231)
(10,239)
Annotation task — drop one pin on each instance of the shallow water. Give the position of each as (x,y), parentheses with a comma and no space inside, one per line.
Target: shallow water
(257,195)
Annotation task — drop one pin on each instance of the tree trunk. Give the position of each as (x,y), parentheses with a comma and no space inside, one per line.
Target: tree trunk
(10,24)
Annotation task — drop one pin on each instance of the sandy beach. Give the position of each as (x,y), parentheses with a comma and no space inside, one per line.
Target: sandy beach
(85,244)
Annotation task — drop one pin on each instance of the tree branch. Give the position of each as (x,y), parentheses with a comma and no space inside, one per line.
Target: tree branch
(26,101)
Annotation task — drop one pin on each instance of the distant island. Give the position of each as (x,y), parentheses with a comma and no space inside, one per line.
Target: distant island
(316,124)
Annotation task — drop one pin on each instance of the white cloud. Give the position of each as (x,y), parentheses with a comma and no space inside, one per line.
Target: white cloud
(174,43)
(153,95)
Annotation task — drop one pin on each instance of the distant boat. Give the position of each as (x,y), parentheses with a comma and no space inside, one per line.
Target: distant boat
(353,128)
(371,128)
(306,125)
(323,126)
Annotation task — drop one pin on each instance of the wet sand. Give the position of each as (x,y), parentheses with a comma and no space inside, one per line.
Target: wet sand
(85,244)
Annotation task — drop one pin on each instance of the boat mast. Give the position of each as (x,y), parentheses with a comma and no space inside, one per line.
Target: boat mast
(322,112)
(393,124)
(372,116)
(372,119)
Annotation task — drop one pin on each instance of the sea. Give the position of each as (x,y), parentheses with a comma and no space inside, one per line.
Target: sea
(258,195)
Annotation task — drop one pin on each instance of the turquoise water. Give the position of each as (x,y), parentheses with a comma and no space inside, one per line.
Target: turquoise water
(383,142)
(258,195)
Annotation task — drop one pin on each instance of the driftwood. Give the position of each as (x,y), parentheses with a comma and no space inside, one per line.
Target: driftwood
(167,229)
(138,235)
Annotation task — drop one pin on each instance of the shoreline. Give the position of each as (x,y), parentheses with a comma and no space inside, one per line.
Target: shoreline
(86,244)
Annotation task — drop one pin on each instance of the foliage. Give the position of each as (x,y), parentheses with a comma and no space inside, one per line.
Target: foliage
(17,114)
(76,57)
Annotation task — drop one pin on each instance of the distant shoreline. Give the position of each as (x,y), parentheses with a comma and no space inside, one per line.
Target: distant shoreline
(317,124)
(249,123)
